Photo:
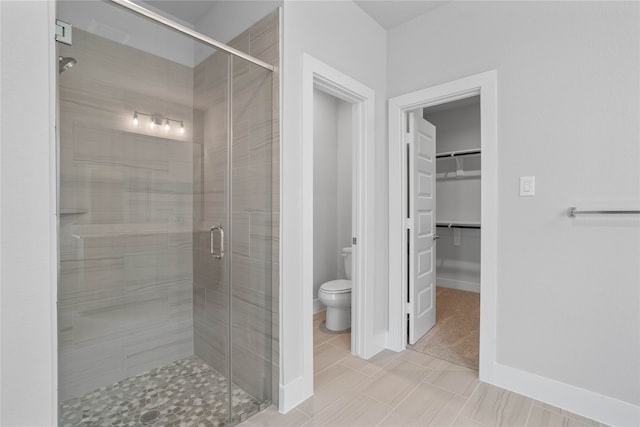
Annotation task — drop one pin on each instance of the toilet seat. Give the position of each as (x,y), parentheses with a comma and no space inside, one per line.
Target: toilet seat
(340,286)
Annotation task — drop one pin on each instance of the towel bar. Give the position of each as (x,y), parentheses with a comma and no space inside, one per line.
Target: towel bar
(573,211)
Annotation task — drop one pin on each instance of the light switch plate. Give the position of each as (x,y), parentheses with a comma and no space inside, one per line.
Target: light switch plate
(527,186)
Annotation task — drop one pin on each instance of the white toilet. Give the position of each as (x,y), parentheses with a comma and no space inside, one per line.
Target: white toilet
(336,295)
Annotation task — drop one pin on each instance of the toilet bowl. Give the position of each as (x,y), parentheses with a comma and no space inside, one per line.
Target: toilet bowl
(336,296)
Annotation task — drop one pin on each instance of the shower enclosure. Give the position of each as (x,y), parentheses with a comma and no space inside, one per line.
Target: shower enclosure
(167,225)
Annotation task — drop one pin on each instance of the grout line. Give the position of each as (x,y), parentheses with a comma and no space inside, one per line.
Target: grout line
(567,414)
(384,366)
(384,418)
(408,393)
(526,423)
(468,399)
(309,415)
(335,362)
(379,368)
(453,392)
(374,399)
(303,414)
(356,395)
(433,373)
(332,342)
(331,337)
(358,370)
(352,389)
(327,367)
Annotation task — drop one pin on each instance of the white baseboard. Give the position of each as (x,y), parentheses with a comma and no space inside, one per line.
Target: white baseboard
(318,306)
(458,284)
(375,346)
(292,394)
(580,401)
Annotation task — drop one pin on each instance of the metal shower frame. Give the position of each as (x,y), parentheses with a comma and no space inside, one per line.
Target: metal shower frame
(135,8)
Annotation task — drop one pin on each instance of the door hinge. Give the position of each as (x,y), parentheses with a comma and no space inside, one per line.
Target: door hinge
(408,223)
(409,309)
(63,32)
(354,240)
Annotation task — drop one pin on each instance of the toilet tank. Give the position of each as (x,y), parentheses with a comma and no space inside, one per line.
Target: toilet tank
(346,253)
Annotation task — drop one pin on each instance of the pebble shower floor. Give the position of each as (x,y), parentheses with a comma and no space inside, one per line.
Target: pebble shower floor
(184,393)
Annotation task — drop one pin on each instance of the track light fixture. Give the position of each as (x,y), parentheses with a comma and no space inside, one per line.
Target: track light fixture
(157,119)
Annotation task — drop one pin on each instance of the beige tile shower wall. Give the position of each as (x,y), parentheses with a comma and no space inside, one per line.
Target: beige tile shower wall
(125,288)
(255,211)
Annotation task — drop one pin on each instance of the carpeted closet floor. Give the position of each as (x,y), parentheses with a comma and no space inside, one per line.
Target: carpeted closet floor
(456,336)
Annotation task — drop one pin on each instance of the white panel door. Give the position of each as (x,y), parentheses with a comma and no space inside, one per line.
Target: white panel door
(422,209)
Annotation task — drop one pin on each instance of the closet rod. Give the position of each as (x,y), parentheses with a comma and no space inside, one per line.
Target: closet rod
(457,225)
(458,153)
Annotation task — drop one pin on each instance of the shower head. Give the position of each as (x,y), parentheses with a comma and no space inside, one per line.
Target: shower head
(65,62)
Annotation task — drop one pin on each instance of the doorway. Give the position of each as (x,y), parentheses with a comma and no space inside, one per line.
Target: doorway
(452,282)
(400,301)
(333,223)
(364,341)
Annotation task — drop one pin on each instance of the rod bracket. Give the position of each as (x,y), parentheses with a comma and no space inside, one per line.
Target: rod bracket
(64,32)
(459,166)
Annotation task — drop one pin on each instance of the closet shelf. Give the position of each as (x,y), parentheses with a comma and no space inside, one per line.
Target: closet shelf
(458,153)
(456,224)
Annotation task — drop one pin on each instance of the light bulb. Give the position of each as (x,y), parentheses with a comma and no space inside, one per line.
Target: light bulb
(167,126)
(181,127)
(135,119)
(152,123)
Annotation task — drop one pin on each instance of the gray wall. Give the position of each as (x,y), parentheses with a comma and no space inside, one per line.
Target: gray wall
(325,30)
(27,216)
(344,188)
(567,292)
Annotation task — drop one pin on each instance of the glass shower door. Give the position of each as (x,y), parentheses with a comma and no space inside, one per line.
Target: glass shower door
(233,270)
(166,226)
(253,225)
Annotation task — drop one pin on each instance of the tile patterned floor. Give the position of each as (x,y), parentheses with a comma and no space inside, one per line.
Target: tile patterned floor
(406,389)
(184,393)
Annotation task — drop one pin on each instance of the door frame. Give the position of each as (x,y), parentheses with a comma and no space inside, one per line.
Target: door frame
(485,85)
(318,75)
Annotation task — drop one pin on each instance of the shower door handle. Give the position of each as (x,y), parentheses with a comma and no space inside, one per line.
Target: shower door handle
(212,233)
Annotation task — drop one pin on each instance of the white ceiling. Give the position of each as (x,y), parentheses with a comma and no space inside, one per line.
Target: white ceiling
(188,10)
(387,13)
(391,13)
(465,102)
